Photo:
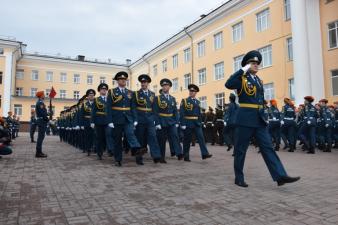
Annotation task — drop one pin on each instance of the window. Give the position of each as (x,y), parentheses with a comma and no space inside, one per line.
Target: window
(263,20)
(19,91)
(334,82)
(102,80)
(203,100)
(1,51)
(290,49)
(219,71)
(33,92)
(63,77)
(333,34)
(187,80)
(201,48)
(18,109)
(219,99)
(35,75)
(202,76)
(266,56)
(76,94)
(218,40)
(175,84)
(90,79)
(76,78)
(287,10)
(291,88)
(62,93)
(47,91)
(269,91)
(237,32)
(0,77)
(155,70)
(164,66)
(19,74)
(237,62)
(187,55)
(49,76)
(175,61)
(155,89)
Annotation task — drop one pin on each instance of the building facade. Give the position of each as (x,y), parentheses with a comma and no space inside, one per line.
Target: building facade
(299,49)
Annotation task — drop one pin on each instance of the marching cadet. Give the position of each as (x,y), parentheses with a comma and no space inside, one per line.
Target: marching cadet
(251,121)
(288,124)
(146,120)
(203,116)
(42,120)
(100,119)
(327,122)
(274,123)
(229,121)
(85,118)
(210,127)
(308,117)
(166,110)
(335,133)
(32,125)
(122,118)
(219,125)
(190,119)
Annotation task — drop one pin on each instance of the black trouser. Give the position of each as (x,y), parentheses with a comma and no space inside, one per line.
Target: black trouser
(42,126)
(100,132)
(32,130)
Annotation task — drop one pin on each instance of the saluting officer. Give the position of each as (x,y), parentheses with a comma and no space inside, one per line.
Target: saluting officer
(142,106)
(166,110)
(42,120)
(335,133)
(122,119)
(190,119)
(252,121)
(100,118)
(274,123)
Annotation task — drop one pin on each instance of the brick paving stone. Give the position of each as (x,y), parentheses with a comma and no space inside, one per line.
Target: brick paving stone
(70,188)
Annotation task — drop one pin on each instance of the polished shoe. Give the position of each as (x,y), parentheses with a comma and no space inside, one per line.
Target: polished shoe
(110,154)
(229,148)
(311,152)
(172,154)
(33,141)
(187,160)
(206,156)
(163,161)
(285,147)
(139,163)
(99,157)
(156,160)
(286,180)
(180,157)
(118,164)
(241,184)
(40,155)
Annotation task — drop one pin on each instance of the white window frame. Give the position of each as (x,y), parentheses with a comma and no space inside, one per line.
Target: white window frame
(334,30)
(203,102)
(237,32)
(219,71)
(266,53)
(35,75)
(19,91)
(219,99)
(187,55)
(33,92)
(20,74)
(49,76)
(263,20)
(238,62)
(63,94)
(18,109)
(287,10)
(334,92)
(201,48)
(76,78)
(63,77)
(102,79)
(76,94)
(175,61)
(175,84)
(289,47)
(47,92)
(218,40)
(291,87)
(202,76)
(269,91)
(155,71)
(164,66)
(90,79)
(187,80)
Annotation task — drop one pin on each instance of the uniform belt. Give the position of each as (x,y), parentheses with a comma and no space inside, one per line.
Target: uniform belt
(209,122)
(308,117)
(101,113)
(249,105)
(288,118)
(220,120)
(191,117)
(166,114)
(121,108)
(144,109)
(87,117)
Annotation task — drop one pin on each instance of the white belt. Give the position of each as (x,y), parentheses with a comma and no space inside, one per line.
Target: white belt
(288,118)
(221,120)
(209,122)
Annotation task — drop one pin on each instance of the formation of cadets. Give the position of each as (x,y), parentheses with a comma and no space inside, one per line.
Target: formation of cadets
(9,130)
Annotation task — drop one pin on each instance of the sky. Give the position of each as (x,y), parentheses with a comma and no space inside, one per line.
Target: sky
(102,29)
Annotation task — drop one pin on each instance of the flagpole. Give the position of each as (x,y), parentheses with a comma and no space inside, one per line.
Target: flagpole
(50,109)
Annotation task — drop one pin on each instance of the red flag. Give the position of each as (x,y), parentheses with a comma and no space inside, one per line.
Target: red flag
(52,93)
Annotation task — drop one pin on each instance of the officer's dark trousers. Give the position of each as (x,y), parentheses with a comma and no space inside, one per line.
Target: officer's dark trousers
(88,138)
(274,130)
(187,140)
(100,132)
(146,135)
(169,133)
(210,134)
(32,131)
(118,131)
(42,126)
(242,140)
(229,135)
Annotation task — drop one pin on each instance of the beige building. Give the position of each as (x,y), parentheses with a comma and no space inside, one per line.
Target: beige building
(300,57)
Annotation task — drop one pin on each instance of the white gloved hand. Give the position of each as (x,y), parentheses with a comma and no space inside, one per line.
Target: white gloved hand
(82,127)
(177,125)
(246,67)
(225,124)
(58,127)
(77,128)
(92,125)
(326,125)
(282,122)
(111,125)
(158,127)
(308,122)
(212,125)
(274,119)
(183,127)
(204,126)
(135,123)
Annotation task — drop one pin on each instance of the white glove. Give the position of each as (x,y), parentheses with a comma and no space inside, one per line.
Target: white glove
(111,125)
(183,127)
(77,128)
(82,127)
(282,122)
(246,67)
(135,123)
(92,125)
(225,124)
(309,122)
(58,127)
(204,126)
(212,125)
(177,125)
(326,125)
(158,127)
(274,119)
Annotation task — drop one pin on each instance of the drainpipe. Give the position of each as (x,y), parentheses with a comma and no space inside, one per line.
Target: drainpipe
(192,53)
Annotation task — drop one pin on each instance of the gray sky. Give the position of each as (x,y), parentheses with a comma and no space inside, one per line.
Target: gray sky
(116,29)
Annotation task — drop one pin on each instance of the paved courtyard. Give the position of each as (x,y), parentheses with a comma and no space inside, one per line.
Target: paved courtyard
(70,188)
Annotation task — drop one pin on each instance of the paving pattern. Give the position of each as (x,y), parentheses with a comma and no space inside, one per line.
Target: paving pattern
(70,188)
